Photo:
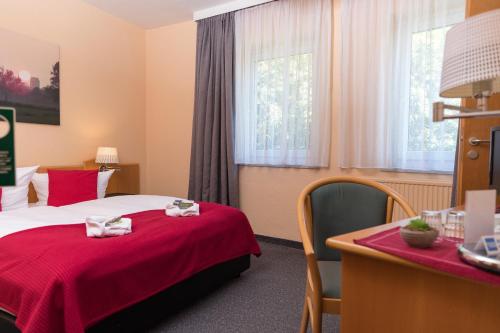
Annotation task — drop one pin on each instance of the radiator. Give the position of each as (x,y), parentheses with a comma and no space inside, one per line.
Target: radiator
(421,195)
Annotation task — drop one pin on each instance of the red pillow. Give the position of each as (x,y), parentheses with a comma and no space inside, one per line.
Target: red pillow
(67,187)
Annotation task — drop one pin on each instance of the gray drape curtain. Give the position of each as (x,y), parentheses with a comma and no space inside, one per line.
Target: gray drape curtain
(213,173)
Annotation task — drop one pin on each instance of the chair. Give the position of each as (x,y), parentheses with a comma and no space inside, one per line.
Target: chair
(329,207)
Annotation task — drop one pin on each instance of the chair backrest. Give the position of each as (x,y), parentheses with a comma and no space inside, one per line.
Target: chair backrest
(339,205)
(340,208)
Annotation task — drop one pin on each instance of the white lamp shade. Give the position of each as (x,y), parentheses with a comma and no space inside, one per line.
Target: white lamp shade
(471,62)
(107,155)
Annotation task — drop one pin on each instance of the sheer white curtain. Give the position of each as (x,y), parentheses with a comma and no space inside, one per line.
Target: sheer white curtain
(282,83)
(391,64)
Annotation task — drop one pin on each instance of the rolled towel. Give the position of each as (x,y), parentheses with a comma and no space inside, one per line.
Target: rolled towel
(107,226)
(182,208)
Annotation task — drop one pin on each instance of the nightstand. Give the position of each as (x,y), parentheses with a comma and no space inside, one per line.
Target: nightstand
(125,180)
(109,195)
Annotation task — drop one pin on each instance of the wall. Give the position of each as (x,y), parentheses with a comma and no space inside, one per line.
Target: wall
(268,195)
(170,61)
(118,80)
(102,61)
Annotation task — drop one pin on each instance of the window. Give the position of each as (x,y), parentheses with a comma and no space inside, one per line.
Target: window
(390,76)
(430,145)
(282,84)
(284,90)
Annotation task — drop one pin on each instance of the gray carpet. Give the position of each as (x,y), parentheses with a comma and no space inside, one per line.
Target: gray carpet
(266,298)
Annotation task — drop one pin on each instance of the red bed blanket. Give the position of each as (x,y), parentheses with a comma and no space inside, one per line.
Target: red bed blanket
(55,279)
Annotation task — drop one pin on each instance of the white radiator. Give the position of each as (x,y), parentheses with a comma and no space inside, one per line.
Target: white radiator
(421,195)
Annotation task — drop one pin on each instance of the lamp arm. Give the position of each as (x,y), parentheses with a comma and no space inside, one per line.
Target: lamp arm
(477,114)
(459,108)
(438,114)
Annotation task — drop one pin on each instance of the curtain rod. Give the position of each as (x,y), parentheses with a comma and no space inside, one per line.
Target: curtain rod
(226,8)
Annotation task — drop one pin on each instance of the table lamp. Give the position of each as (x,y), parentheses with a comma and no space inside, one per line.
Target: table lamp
(106,156)
(471,66)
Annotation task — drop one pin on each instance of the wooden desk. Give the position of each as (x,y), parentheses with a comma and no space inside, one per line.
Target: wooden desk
(383,293)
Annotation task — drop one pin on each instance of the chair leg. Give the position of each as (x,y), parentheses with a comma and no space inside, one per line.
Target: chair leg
(305,318)
(316,321)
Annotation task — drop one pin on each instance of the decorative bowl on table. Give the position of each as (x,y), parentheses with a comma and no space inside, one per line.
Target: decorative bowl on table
(418,234)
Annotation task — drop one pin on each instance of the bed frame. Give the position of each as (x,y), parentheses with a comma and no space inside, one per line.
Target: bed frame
(156,308)
(152,311)
(125,180)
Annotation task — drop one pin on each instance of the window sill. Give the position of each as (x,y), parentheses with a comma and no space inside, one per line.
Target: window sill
(428,172)
(281,166)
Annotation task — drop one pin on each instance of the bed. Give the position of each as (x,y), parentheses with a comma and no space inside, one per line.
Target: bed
(55,279)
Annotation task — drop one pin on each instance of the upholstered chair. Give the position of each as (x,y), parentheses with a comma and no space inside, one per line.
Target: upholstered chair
(330,207)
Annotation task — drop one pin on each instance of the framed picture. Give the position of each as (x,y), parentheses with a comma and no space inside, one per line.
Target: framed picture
(29,78)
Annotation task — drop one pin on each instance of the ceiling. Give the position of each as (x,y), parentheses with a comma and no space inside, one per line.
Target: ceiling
(154,13)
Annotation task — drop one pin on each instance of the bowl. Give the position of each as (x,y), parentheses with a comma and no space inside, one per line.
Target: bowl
(419,239)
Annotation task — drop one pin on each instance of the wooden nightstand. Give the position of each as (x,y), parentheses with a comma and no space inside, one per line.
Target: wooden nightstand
(125,180)
(109,195)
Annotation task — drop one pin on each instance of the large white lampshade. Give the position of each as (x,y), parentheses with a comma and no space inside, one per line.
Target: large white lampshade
(107,155)
(471,63)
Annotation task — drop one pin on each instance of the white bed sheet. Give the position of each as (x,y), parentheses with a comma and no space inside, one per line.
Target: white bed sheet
(40,216)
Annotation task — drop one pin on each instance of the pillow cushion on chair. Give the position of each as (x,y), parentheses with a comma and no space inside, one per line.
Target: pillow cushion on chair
(41,185)
(340,208)
(16,197)
(330,272)
(67,187)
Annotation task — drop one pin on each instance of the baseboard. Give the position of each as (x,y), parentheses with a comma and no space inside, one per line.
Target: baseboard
(279,241)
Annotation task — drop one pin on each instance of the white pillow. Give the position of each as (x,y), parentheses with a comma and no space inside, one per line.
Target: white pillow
(41,185)
(102,182)
(15,197)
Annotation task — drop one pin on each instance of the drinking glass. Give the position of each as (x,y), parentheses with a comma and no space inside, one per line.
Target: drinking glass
(497,223)
(434,219)
(454,226)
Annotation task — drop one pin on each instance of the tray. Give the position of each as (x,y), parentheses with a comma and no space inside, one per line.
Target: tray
(479,258)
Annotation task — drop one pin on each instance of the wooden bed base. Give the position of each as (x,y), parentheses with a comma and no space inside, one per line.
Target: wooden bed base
(125,180)
(150,312)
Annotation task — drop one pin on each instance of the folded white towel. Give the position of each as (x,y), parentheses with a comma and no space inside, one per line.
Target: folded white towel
(182,208)
(107,226)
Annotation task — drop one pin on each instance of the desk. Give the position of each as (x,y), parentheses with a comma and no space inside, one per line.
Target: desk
(383,293)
